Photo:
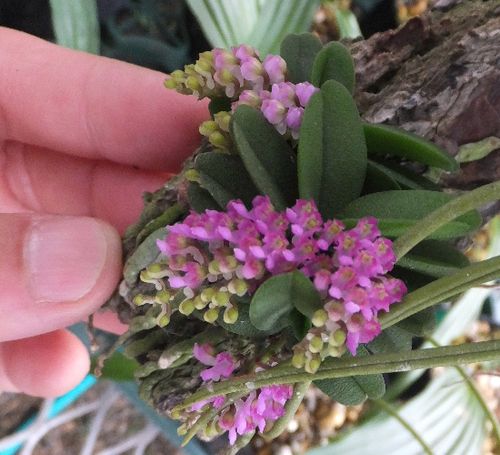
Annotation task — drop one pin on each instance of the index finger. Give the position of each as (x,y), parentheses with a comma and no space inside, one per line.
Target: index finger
(92,107)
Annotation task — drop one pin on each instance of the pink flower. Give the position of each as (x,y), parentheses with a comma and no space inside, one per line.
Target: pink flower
(275,68)
(304,91)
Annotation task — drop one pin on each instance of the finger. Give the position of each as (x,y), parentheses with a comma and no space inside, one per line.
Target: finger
(54,271)
(108,321)
(93,107)
(47,365)
(34,179)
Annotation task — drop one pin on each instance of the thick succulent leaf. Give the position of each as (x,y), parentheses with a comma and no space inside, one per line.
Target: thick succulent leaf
(435,258)
(266,155)
(392,339)
(275,299)
(225,178)
(332,152)
(406,178)
(378,179)
(299,51)
(421,323)
(388,140)
(200,199)
(356,389)
(334,62)
(398,210)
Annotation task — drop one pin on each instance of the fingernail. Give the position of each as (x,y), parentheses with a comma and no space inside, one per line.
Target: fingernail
(65,257)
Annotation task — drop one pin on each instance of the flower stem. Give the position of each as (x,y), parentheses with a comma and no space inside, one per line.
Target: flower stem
(352,366)
(445,214)
(442,289)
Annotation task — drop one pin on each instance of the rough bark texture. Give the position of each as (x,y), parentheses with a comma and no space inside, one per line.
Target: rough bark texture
(439,77)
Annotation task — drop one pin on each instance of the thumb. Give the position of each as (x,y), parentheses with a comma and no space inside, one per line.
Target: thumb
(54,271)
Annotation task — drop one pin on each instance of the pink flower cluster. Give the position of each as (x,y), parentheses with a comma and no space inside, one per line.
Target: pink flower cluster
(245,415)
(232,253)
(282,106)
(227,73)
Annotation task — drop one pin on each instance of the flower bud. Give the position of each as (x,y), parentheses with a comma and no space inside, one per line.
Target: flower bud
(316,344)
(312,365)
(164,320)
(231,315)
(237,286)
(187,307)
(221,298)
(337,338)
(199,303)
(211,315)
(298,360)
(163,296)
(319,318)
(217,139)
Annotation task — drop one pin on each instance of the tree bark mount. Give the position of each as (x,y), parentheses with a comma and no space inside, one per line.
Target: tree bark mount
(439,77)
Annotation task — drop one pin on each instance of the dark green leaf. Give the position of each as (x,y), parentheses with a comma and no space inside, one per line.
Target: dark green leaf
(334,62)
(332,152)
(267,156)
(378,179)
(434,258)
(278,296)
(200,199)
(299,51)
(353,390)
(398,210)
(421,323)
(405,177)
(219,104)
(413,280)
(118,367)
(225,178)
(388,140)
(392,339)
(300,324)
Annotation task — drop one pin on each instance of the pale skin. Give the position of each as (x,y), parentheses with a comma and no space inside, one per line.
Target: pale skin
(81,138)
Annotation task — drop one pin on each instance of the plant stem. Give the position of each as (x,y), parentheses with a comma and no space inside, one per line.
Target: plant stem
(352,366)
(391,411)
(442,289)
(445,214)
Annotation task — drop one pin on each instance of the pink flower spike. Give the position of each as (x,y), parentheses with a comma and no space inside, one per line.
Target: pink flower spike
(304,92)
(204,354)
(223,367)
(275,68)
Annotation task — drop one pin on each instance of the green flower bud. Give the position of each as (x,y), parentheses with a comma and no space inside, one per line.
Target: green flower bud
(217,139)
(222,119)
(211,315)
(312,365)
(192,175)
(231,315)
(315,344)
(221,298)
(140,299)
(193,83)
(337,338)
(208,127)
(298,360)
(186,307)
(199,304)
(164,320)
(163,296)
(182,430)
(213,267)
(237,286)
(170,83)
(207,294)
(319,318)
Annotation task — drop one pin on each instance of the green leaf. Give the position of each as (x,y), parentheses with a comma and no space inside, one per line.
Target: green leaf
(421,323)
(118,367)
(392,339)
(300,324)
(200,199)
(332,152)
(353,390)
(278,296)
(405,177)
(267,156)
(434,258)
(76,24)
(225,178)
(399,210)
(334,62)
(378,179)
(388,140)
(299,51)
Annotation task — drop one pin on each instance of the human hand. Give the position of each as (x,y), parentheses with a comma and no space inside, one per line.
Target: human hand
(81,137)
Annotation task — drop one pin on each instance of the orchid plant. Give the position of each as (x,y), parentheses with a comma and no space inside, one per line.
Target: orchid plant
(298,245)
